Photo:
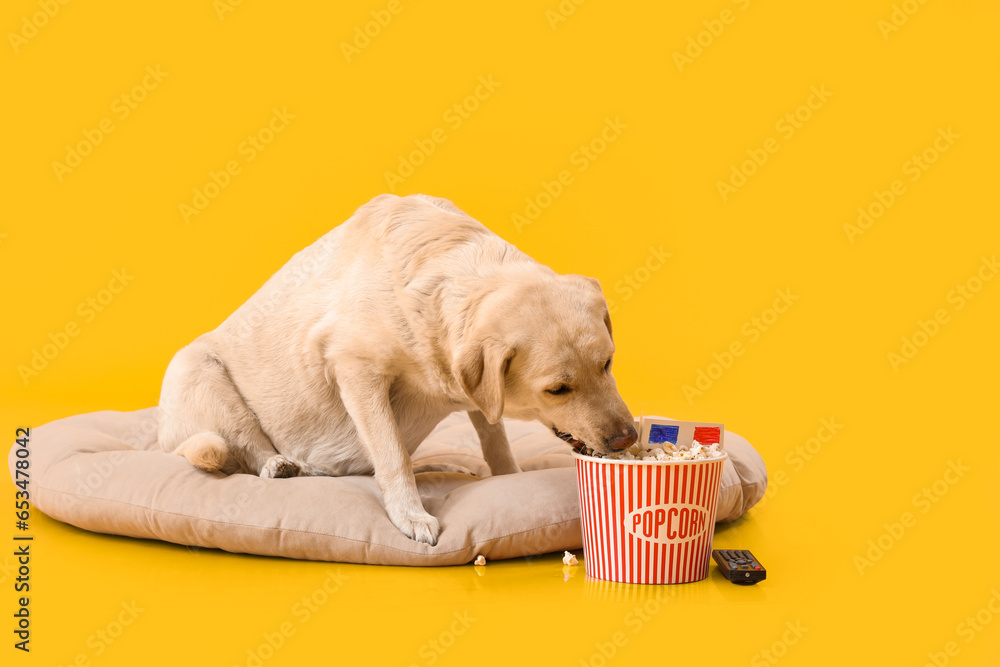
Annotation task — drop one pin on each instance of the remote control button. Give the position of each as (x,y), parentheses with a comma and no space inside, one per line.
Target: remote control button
(757,568)
(732,565)
(748,555)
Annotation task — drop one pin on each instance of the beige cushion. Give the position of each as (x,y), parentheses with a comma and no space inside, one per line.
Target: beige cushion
(103,472)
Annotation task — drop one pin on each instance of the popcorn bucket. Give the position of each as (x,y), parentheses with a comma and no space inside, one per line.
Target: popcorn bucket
(648,522)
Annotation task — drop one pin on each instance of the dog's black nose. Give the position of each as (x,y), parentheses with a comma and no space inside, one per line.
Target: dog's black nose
(623,439)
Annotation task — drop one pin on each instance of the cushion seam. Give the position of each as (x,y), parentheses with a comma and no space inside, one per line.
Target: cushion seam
(294,530)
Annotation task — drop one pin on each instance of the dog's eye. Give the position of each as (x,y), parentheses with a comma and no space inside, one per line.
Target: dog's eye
(561,389)
(607,365)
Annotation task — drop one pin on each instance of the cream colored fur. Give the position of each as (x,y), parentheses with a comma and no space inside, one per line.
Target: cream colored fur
(353,351)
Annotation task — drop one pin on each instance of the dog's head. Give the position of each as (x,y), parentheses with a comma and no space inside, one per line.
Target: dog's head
(539,347)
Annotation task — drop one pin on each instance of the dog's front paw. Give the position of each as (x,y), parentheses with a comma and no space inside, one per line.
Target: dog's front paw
(504,468)
(421,527)
(278,466)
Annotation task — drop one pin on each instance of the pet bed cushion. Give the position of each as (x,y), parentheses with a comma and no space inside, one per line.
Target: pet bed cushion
(104,472)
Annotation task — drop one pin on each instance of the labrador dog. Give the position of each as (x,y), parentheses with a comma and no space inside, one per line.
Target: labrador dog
(349,355)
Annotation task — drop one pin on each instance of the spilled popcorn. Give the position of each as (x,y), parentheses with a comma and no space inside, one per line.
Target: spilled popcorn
(669,452)
(480,560)
(569,559)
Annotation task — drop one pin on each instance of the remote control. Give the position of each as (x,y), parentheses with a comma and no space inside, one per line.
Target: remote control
(739,566)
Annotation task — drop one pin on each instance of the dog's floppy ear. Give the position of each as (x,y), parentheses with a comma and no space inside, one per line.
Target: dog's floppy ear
(592,283)
(481,369)
(595,283)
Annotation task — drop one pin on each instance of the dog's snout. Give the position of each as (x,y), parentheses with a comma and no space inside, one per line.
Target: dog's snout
(623,439)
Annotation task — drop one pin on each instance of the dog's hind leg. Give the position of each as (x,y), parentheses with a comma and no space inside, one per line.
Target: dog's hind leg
(204,418)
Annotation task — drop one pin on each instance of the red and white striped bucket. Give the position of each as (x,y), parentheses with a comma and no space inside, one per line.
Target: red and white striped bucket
(648,522)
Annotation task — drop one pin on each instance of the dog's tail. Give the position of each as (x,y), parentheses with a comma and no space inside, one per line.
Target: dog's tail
(205,450)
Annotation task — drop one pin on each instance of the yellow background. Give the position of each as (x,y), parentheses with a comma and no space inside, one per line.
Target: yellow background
(655,186)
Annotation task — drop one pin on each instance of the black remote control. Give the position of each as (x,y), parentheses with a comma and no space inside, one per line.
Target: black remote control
(739,566)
